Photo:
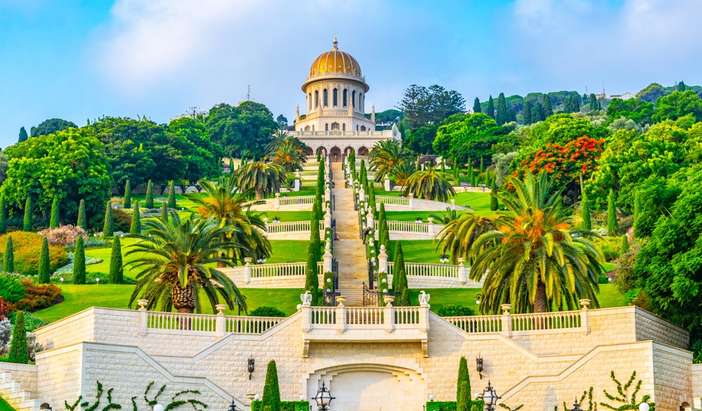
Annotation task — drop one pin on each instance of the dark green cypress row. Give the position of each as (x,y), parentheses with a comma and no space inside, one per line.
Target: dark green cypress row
(54,219)
(116,268)
(171,195)
(149,200)
(127,194)
(79,262)
(3,216)
(490,109)
(399,278)
(28,220)
(501,115)
(19,351)
(22,135)
(82,220)
(311,280)
(107,227)
(135,225)
(8,260)
(476,106)
(44,262)
(271,390)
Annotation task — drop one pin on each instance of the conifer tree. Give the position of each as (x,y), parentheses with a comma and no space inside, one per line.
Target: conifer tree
(383,230)
(135,225)
(501,115)
(482,165)
(44,262)
(625,244)
(476,106)
(116,267)
(54,219)
(490,109)
(28,220)
(314,238)
(311,272)
(171,195)
(82,220)
(127,194)
(79,262)
(548,109)
(527,112)
(164,212)
(494,205)
(637,213)
(3,216)
(271,390)
(537,113)
(149,198)
(8,259)
(399,278)
(594,103)
(107,227)
(585,214)
(22,135)
(19,350)
(612,225)
(463,391)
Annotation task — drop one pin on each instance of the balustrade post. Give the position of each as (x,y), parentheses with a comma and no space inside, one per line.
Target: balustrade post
(462,272)
(389,316)
(383,260)
(220,326)
(584,315)
(386,184)
(328,218)
(424,311)
(143,316)
(431,226)
(306,310)
(506,320)
(341,317)
(411,200)
(247,269)
(453,203)
(297,181)
(369,217)
(276,201)
(327,259)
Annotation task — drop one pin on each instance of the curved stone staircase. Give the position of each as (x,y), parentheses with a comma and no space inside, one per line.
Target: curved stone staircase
(12,392)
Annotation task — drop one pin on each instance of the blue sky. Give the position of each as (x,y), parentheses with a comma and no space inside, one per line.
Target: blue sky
(80,60)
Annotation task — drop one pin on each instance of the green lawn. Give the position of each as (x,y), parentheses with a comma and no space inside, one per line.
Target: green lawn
(288,251)
(4,406)
(418,251)
(478,202)
(80,297)
(412,215)
(289,215)
(609,296)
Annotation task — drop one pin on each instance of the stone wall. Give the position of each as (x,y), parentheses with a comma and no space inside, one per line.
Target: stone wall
(60,375)
(23,374)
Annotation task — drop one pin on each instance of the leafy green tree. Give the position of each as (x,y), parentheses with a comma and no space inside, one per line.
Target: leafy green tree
(490,109)
(28,218)
(635,109)
(194,148)
(469,137)
(678,104)
(19,350)
(429,184)
(463,392)
(399,277)
(171,195)
(419,140)
(116,267)
(149,199)
(44,262)
(22,135)
(127,194)
(612,225)
(494,204)
(107,226)
(243,131)
(260,177)
(135,224)
(50,126)
(82,220)
(501,115)
(3,216)
(8,258)
(424,105)
(476,106)
(177,260)
(271,391)
(79,262)
(54,220)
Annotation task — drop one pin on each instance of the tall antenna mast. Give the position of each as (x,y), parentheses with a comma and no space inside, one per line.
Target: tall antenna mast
(248,92)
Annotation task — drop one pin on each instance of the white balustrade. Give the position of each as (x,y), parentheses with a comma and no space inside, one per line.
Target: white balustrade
(250,325)
(428,270)
(292,226)
(392,200)
(510,324)
(296,200)
(408,226)
(479,324)
(546,321)
(282,269)
(209,323)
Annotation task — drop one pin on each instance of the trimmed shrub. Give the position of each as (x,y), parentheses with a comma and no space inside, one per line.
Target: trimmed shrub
(135,225)
(127,195)
(164,212)
(64,235)
(121,220)
(257,405)
(28,219)
(463,394)
(82,220)
(271,391)
(441,406)
(149,199)
(399,277)
(19,351)
(107,226)
(612,225)
(265,311)
(11,288)
(585,215)
(54,219)
(38,296)
(44,263)
(625,244)
(311,279)
(3,216)
(171,195)
(8,261)
(26,258)
(494,204)
(79,263)
(116,266)
(454,310)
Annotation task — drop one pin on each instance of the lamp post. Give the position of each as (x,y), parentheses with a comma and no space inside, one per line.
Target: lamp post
(576,406)
(644,406)
(232,406)
(489,397)
(323,398)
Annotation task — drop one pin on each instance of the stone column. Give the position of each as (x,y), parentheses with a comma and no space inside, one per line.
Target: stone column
(424,311)
(328,218)
(297,181)
(247,269)
(430,221)
(383,260)
(584,317)
(327,259)
(389,316)
(341,317)
(411,200)
(506,320)
(220,324)
(386,184)
(369,217)
(462,272)
(143,316)
(276,201)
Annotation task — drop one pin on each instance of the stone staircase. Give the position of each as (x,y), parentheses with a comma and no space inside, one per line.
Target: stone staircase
(13,393)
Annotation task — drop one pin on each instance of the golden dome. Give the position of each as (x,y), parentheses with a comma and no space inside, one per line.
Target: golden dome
(335,61)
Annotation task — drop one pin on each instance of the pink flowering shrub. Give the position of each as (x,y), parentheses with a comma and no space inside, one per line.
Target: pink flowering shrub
(64,235)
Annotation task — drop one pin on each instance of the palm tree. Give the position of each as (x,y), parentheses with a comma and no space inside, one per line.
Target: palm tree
(459,234)
(230,207)
(260,177)
(535,259)
(429,185)
(287,151)
(388,158)
(175,262)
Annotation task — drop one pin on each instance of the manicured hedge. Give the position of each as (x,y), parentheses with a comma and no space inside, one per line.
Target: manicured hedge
(256,405)
(451,405)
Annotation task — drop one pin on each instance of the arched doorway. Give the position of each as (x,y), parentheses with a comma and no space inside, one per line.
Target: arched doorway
(321,151)
(363,151)
(371,387)
(335,153)
(308,151)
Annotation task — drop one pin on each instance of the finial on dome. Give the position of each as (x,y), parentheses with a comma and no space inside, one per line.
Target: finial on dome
(335,43)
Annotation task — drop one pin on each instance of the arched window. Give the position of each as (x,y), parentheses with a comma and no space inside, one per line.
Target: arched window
(325,97)
(353,99)
(363,128)
(309,102)
(343,127)
(346,97)
(360,102)
(307,128)
(335,98)
(326,126)
(316,98)
(335,126)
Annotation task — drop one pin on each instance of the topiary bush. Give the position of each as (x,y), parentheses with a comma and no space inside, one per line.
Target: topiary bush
(11,288)
(265,311)
(38,296)
(26,246)
(454,310)
(121,220)
(257,405)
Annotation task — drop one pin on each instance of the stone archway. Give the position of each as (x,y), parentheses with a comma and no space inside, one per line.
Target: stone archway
(371,387)
(335,154)
(362,151)
(321,151)
(308,151)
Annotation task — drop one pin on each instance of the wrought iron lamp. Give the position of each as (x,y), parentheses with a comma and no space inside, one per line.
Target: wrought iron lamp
(323,398)
(576,406)
(480,366)
(251,366)
(489,397)
(232,406)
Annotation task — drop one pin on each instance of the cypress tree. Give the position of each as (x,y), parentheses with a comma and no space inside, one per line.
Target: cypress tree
(476,106)
(594,103)
(625,244)
(54,219)
(135,225)
(116,269)
(149,200)
(584,208)
(27,220)
(311,280)
(637,212)
(501,115)
(82,220)
(22,135)
(171,195)
(537,113)
(463,394)
(8,261)
(164,212)
(79,262)
(107,228)
(527,112)
(384,231)
(490,108)
(399,278)
(3,216)
(548,109)
(612,225)
(271,390)
(19,351)
(314,238)
(44,263)
(127,194)
(493,197)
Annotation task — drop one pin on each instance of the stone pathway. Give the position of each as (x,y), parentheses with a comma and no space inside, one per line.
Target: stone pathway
(348,249)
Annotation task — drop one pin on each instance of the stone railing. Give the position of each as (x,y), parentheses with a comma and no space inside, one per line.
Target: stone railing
(409,226)
(394,200)
(278,269)
(430,270)
(293,200)
(509,324)
(291,226)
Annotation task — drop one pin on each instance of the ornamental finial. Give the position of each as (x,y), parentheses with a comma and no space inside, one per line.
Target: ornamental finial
(335,43)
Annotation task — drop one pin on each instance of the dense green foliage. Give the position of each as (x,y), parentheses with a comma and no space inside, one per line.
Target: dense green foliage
(469,137)
(19,351)
(116,266)
(270,401)
(54,220)
(44,262)
(50,126)
(242,131)
(79,262)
